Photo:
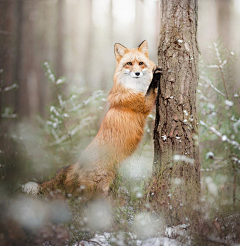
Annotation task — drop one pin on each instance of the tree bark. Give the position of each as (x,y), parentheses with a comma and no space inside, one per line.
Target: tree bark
(176,160)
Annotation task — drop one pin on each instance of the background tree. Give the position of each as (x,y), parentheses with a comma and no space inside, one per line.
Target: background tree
(224,20)
(176,159)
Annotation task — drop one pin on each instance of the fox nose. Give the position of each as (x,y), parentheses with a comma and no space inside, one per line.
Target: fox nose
(137,73)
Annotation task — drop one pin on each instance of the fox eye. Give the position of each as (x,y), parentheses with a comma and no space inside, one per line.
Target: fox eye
(129,63)
(140,63)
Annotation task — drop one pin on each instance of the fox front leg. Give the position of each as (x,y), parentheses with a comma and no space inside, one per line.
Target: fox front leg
(155,80)
(151,93)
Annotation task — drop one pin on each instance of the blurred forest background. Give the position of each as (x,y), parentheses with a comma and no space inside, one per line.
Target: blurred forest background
(56,68)
(77,38)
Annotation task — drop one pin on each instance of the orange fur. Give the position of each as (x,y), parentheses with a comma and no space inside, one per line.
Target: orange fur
(121,129)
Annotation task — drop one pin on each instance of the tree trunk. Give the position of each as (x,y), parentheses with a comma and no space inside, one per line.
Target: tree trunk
(139,20)
(176,160)
(22,100)
(224,8)
(6,50)
(90,40)
(60,38)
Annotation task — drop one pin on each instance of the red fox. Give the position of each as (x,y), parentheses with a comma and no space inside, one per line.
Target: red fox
(131,98)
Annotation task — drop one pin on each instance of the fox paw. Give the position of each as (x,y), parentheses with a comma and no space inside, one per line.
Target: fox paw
(155,80)
(157,73)
(156,77)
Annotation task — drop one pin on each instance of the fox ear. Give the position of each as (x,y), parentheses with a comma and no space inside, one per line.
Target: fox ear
(119,51)
(143,47)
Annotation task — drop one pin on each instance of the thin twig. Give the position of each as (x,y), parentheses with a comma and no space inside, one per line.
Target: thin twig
(209,83)
(224,82)
(220,67)
(218,228)
(64,123)
(91,241)
(234,186)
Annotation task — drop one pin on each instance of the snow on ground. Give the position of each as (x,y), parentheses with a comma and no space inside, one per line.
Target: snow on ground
(103,240)
(159,241)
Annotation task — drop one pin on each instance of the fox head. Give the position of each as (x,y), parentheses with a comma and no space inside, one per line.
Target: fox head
(134,68)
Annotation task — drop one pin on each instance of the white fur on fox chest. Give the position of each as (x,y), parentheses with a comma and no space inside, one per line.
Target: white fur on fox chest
(139,84)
